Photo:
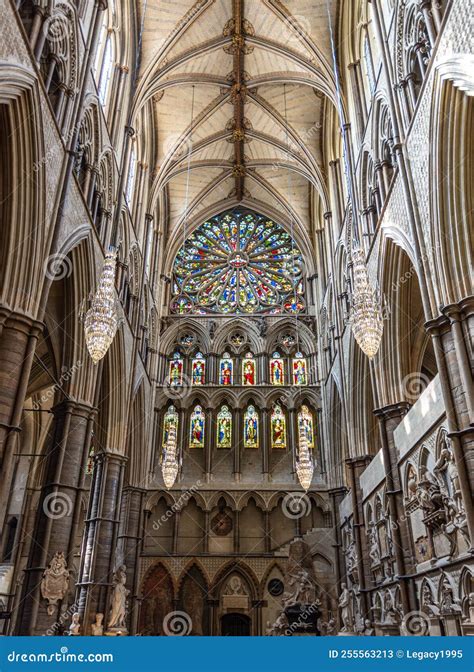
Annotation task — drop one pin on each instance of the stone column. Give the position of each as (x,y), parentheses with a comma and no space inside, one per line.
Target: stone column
(356,466)
(389,418)
(210,441)
(57,516)
(265,443)
(268,538)
(337,495)
(98,553)
(18,337)
(237,442)
(129,546)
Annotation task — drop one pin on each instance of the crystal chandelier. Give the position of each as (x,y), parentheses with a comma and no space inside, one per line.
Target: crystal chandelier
(101,321)
(304,463)
(366,314)
(170,466)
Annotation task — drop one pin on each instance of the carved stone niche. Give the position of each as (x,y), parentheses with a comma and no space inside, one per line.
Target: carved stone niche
(235,595)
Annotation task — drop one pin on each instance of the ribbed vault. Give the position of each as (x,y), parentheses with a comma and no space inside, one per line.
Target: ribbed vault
(250,67)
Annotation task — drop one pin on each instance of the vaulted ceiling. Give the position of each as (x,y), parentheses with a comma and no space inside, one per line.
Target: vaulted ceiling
(255,75)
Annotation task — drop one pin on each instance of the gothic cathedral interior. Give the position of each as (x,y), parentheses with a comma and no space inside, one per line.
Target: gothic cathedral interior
(236,317)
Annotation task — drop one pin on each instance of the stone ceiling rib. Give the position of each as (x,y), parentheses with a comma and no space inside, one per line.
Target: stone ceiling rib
(243,55)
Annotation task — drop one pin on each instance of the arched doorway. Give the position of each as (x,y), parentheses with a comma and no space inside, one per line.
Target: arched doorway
(235,625)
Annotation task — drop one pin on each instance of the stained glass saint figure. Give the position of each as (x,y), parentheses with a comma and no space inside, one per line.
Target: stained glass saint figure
(176,370)
(226,365)
(196,438)
(248,370)
(198,369)
(276,369)
(251,428)
(299,370)
(224,428)
(305,425)
(171,418)
(278,428)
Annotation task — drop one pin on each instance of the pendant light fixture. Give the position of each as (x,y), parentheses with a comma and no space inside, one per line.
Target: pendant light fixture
(366,313)
(101,321)
(170,463)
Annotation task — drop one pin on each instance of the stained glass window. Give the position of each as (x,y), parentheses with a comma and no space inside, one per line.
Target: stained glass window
(170,419)
(248,370)
(277,370)
(251,428)
(278,428)
(238,262)
(299,370)
(176,370)
(196,433)
(305,425)
(198,369)
(226,370)
(224,428)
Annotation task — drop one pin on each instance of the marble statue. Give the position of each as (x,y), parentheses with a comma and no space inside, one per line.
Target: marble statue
(118,609)
(471,607)
(55,581)
(374,551)
(75,627)
(328,627)
(446,464)
(280,626)
(345,605)
(301,589)
(97,627)
(368,629)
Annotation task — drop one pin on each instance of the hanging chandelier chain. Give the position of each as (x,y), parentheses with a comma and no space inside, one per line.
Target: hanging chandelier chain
(292,225)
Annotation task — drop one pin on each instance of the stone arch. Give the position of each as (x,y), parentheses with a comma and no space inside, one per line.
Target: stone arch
(157,600)
(452,127)
(193,589)
(23,210)
(405,343)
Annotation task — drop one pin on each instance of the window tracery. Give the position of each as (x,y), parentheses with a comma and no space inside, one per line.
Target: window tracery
(238,263)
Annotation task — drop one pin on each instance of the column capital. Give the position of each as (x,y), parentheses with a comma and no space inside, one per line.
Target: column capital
(19,321)
(358,461)
(399,409)
(75,408)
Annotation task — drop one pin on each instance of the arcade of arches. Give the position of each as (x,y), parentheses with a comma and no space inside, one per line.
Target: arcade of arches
(233,170)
